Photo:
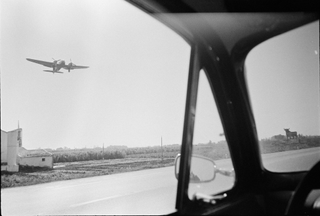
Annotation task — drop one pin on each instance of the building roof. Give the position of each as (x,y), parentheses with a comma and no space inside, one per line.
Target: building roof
(11,130)
(22,152)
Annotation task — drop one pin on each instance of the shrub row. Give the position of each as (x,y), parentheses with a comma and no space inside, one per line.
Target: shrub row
(72,156)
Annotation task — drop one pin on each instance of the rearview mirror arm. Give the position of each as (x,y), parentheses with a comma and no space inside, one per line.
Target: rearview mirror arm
(225,172)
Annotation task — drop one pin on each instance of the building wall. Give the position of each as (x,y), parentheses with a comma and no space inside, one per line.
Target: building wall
(36,161)
(4,145)
(11,140)
(13,145)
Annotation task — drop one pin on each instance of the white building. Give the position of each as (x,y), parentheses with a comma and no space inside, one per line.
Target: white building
(10,142)
(13,154)
(36,158)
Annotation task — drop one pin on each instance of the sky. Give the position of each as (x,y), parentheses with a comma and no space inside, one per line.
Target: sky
(284,84)
(121,99)
(133,92)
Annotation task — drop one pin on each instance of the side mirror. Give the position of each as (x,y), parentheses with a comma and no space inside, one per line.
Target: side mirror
(202,169)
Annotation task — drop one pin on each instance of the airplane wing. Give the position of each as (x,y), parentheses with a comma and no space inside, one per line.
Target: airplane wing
(79,67)
(44,63)
(72,67)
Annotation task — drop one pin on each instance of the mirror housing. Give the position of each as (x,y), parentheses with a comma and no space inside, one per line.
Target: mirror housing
(202,169)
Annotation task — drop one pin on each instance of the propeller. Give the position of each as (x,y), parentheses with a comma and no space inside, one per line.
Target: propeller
(56,60)
(70,65)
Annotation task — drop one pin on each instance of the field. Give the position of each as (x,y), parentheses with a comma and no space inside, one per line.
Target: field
(72,164)
(73,170)
(278,145)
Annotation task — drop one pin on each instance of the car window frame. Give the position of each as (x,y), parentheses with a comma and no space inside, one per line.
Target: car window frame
(243,77)
(225,73)
(232,101)
(204,58)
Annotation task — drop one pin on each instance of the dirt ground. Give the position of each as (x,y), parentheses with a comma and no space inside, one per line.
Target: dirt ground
(73,170)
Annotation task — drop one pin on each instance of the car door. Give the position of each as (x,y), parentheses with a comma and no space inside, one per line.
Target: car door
(233,196)
(256,190)
(270,192)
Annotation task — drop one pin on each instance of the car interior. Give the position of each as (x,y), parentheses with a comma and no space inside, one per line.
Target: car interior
(221,34)
(181,107)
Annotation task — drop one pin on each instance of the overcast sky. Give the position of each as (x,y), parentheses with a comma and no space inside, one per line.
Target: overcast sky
(283,77)
(133,92)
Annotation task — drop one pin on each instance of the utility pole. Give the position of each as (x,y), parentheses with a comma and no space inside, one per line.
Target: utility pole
(161,151)
(103,151)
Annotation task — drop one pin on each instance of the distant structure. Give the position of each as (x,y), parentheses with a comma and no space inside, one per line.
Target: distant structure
(10,143)
(290,134)
(36,158)
(13,154)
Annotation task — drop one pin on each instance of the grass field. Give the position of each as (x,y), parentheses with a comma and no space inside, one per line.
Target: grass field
(135,159)
(74,170)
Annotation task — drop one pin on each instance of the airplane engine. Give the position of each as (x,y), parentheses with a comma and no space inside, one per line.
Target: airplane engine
(69,67)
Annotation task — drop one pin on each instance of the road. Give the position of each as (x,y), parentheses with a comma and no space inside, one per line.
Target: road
(141,192)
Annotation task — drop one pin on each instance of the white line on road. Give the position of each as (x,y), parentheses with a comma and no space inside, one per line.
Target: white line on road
(75,185)
(136,173)
(97,200)
(110,197)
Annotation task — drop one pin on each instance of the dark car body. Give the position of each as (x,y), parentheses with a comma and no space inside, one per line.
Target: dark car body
(221,48)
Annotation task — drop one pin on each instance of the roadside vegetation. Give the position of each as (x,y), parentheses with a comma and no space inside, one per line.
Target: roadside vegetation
(280,143)
(80,163)
(74,170)
(113,152)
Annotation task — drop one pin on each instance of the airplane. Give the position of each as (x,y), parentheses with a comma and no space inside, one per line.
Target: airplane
(56,65)
(72,66)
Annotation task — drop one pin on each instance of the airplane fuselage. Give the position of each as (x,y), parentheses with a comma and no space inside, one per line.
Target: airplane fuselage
(58,64)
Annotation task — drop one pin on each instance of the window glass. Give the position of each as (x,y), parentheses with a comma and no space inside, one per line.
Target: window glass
(283,81)
(211,166)
(120,119)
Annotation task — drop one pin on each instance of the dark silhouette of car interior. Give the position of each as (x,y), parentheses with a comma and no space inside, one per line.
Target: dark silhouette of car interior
(222,50)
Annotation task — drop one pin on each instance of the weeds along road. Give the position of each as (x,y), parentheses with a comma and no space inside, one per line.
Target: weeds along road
(150,191)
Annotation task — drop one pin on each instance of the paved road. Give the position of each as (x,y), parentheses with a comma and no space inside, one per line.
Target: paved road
(141,192)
